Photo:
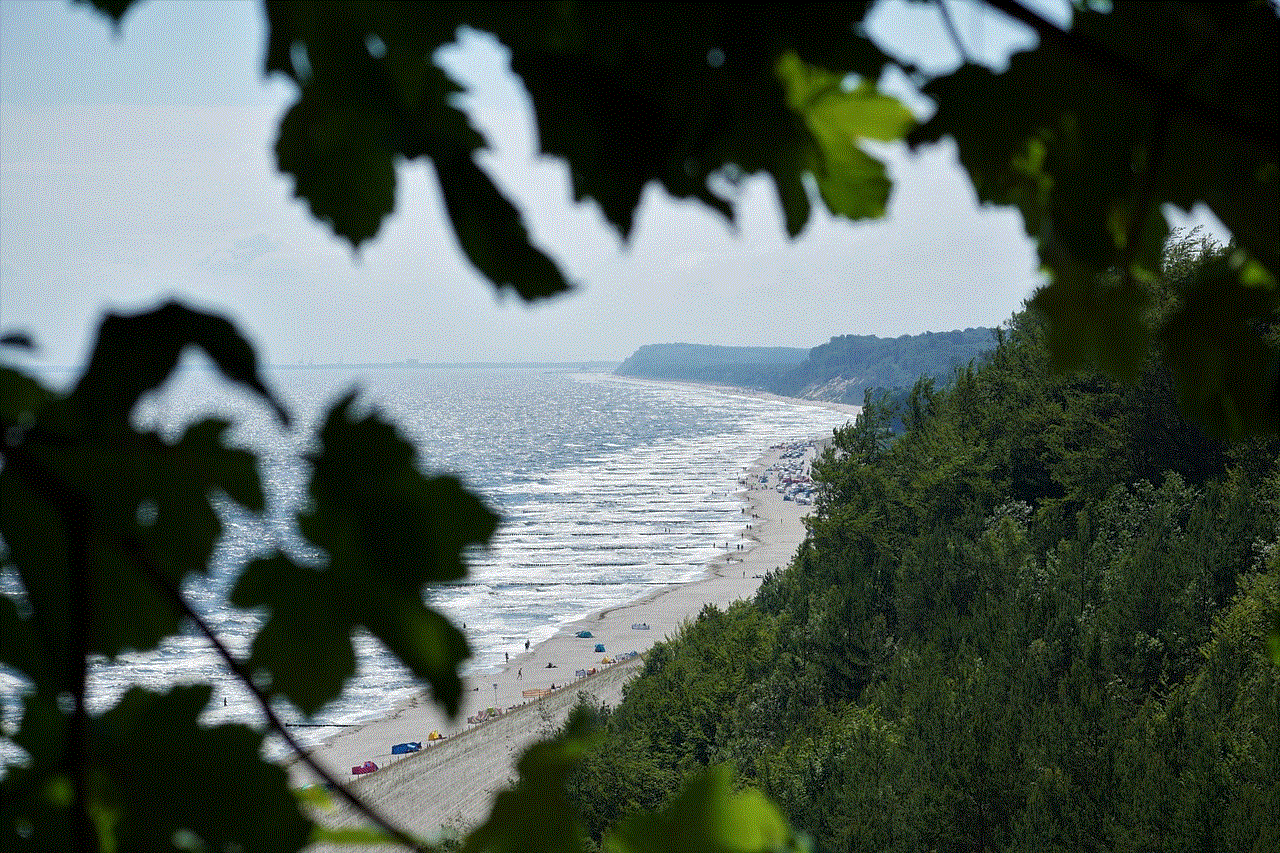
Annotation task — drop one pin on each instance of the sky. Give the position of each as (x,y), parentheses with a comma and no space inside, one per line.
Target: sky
(137,167)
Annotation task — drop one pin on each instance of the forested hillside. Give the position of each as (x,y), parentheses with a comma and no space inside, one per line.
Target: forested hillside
(1035,620)
(748,367)
(840,370)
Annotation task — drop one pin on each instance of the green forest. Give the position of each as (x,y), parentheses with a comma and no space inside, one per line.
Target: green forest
(1033,617)
(1036,619)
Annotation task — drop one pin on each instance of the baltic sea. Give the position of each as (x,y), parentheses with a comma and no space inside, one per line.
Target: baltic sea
(607,487)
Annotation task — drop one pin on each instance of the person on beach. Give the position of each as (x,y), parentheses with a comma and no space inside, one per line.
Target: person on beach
(519,673)
(507,656)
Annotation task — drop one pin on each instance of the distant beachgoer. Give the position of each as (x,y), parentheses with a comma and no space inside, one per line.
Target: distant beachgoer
(526,645)
(519,673)
(507,655)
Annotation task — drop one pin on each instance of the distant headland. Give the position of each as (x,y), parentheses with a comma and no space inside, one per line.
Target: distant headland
(414,364)
(839,371)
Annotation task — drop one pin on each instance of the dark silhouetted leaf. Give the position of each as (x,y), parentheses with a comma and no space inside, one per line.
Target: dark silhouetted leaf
(629,94)
(36,537)
(135,354)
(163,773)
(339,168)
(20,646)
(114,9)
(490,231)
(1227,371)
(85,496)
(305,644)
(34,797)
(1093,320)
(1089,145)
(21,397)
(387,531)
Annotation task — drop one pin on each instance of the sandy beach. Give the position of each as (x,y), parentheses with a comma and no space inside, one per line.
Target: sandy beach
(453,781)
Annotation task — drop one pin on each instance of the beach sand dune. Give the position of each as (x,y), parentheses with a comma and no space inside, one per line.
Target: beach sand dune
(453,781)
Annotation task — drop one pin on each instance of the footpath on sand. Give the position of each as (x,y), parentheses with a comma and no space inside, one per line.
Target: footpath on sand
(452,781)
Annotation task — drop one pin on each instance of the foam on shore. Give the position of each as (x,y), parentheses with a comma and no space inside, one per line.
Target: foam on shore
(453,781)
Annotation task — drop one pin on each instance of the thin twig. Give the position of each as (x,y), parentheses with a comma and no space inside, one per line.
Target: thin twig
(82,617)
(951,30)
(275,723)
(71,504)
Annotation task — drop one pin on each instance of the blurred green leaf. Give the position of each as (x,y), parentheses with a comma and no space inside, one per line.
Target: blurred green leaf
(1094,320)
(630,94)
(305,643)
(85,495)
(33,813)
(852,183)
(1216,345)
(163,773)
(490,231)
(1090,150)
(359,113)
(314,796)
(536,816)
(20,646)
(387,530)
(36,537)
(342,164)
(708,816)
(134,354)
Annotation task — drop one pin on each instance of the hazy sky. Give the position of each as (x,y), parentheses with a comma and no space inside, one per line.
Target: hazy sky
(137,168)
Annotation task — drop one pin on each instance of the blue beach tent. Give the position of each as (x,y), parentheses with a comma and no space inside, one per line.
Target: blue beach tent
(583,634)
(599,647)
(405,748)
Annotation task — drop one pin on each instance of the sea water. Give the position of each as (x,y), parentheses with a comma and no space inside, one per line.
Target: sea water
(607,488)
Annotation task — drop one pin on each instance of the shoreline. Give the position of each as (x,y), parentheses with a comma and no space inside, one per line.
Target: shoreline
(743,392)
(453,780)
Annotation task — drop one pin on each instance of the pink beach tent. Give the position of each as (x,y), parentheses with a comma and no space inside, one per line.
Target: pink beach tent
(367,767)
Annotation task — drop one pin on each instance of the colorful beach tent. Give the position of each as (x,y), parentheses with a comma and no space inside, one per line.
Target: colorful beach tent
(405,748)
(583,634)
(367,767)
(599,647)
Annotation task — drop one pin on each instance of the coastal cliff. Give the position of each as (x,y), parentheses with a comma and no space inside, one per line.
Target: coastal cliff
(839,371)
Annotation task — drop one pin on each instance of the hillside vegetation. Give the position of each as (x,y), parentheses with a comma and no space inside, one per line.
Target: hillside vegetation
(839,371)
(1035,620)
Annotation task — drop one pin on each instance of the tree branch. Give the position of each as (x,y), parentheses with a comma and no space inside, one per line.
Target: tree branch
(71,504)
(77,754)
(153,574)
(953,32)
(1086,47)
